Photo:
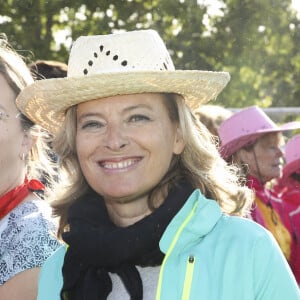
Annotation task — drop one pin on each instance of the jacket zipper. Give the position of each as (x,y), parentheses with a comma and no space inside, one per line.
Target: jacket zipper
(188,277)
(159,285)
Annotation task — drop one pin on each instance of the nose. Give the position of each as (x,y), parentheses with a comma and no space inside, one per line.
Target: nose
(115,138)
(279,152)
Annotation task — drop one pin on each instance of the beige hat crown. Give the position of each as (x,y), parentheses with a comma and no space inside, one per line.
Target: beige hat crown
(116,64)
(130,51)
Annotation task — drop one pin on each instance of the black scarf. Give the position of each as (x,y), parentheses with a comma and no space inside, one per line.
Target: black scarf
(97,246)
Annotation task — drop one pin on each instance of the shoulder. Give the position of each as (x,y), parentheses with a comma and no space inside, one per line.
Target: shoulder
(31,217)
(32,209)
(27,239)
(254,251)
(255,246)
(242,227)
(243,233)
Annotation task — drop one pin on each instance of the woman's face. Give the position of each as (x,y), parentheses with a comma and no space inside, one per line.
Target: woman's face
(267,152)
(125,145)
(13,140)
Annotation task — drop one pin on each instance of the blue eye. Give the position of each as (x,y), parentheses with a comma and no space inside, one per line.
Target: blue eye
(137,118)
(92,125)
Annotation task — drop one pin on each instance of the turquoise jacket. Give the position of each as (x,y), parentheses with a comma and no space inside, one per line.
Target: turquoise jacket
(209,256)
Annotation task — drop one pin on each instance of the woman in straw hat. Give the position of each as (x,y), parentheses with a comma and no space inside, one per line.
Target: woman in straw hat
(253,141)
(25,224)
(288,187)
(145,208)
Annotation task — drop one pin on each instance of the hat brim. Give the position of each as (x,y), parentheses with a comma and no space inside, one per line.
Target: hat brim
(46,101)
(231,147)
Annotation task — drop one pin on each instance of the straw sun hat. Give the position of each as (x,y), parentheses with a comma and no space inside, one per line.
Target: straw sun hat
(115,64)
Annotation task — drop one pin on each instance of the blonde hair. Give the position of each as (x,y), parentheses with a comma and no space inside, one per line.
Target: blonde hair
(18,76)
(200,163)
(208,171)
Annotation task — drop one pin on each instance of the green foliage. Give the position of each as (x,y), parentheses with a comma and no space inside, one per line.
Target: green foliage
(257,41)
(259,49)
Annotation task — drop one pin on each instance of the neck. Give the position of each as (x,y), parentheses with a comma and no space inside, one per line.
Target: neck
(11,183)
(126,214)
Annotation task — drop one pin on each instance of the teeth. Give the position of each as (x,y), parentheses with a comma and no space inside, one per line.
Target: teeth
(118,165)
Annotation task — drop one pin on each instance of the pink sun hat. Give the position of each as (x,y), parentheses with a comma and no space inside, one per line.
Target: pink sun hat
(245,127)
(292,156)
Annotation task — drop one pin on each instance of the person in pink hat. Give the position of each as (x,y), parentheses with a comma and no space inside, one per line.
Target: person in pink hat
(288,187)
(253,142)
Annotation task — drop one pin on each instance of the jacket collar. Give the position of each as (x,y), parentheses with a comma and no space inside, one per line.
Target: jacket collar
(194,221)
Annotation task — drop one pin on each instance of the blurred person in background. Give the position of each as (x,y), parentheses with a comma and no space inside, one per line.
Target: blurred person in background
(44,69)
(212,116)
(26,229)
(253,142)
(288,188)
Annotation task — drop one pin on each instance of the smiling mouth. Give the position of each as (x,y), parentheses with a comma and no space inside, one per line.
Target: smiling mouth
(115,165)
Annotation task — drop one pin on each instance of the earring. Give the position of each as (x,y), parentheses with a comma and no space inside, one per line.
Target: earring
(22,156)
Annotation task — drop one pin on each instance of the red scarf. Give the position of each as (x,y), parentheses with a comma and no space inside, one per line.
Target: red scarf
(14,197)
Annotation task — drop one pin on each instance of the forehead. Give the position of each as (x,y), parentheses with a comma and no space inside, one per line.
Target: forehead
(119,102)
(270,138)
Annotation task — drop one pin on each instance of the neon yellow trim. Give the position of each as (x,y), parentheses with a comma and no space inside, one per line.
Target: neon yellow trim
(158,291)
(188,279)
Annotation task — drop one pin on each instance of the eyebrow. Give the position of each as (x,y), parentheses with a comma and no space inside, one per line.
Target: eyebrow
(133,107)
(86,115)
(126,110)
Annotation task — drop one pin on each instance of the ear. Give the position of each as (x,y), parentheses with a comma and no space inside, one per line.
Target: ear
(179,143)
(28,142)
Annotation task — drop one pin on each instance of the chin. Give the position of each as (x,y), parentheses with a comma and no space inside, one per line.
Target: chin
(119,196)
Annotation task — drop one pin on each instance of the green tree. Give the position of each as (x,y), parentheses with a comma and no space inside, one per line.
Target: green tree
(260,41)
(257,41)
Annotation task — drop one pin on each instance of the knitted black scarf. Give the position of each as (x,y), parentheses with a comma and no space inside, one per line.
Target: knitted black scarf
(97,246)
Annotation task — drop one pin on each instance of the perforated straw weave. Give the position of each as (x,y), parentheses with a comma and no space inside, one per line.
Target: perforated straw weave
(116,64)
